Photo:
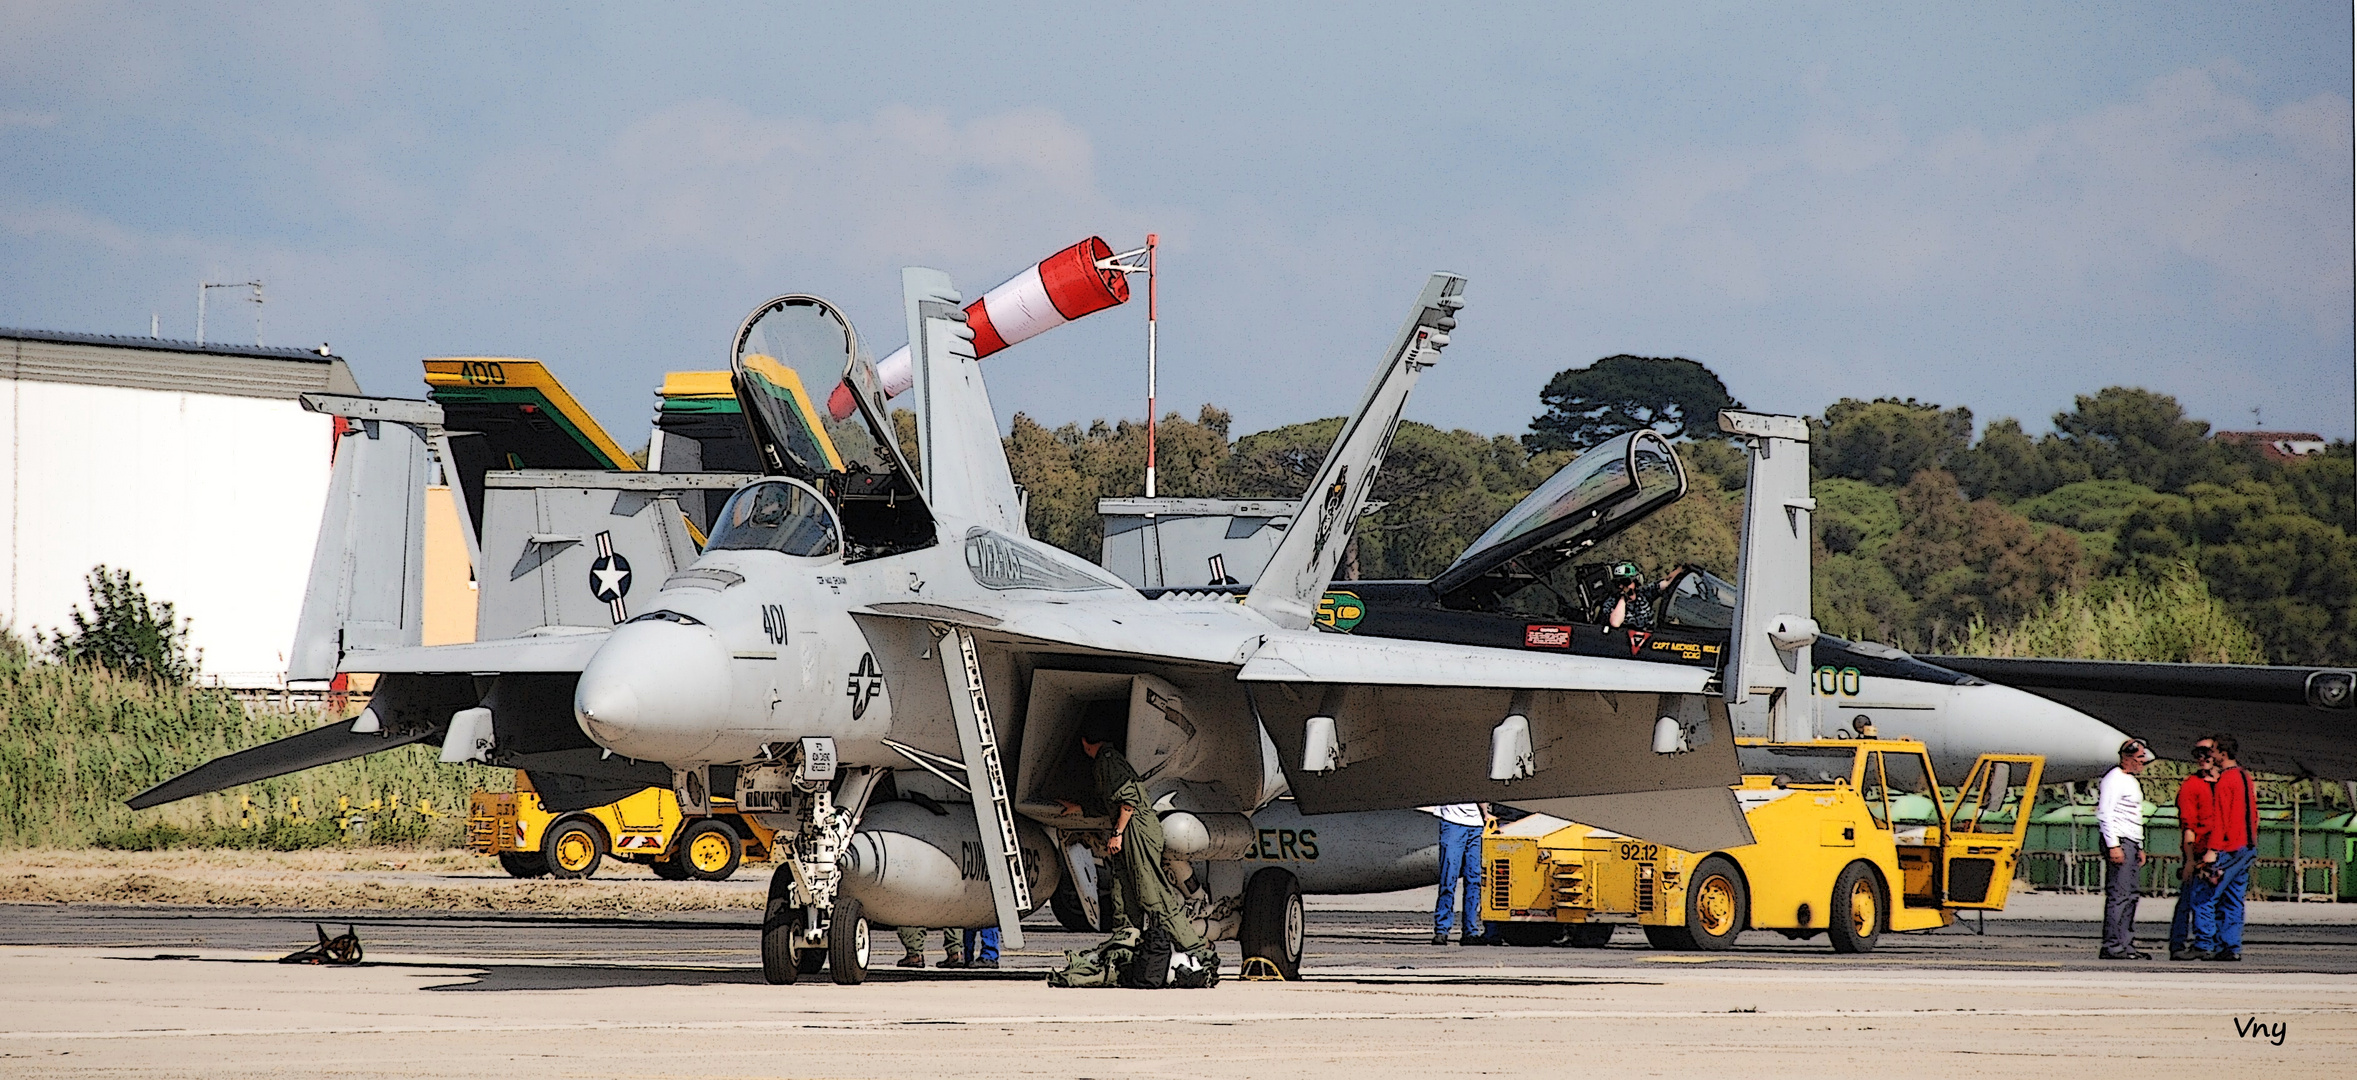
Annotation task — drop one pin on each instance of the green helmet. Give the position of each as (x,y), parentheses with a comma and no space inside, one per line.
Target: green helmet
(1626,571)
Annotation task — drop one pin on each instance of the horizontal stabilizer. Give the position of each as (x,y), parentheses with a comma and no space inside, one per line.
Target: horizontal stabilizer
(309,750)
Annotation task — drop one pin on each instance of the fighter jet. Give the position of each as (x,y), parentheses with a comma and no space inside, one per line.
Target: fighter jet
(860,625)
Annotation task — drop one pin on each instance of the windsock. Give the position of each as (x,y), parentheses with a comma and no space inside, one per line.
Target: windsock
(1063,287)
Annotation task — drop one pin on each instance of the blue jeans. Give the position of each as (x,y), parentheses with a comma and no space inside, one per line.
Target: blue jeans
(2181,920)
(2217,909)
(982,944)
(1460,857)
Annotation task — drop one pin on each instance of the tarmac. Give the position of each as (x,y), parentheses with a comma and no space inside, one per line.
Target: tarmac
(89,990)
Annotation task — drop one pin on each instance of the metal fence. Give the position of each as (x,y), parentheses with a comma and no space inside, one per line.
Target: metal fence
(2271,879)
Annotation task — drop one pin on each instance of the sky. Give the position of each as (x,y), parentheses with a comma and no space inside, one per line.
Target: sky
(1994,205)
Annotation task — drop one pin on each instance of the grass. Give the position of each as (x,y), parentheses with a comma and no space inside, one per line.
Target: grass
(76,740)
(2170,618)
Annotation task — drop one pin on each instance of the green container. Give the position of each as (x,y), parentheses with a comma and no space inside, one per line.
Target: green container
(2068,825)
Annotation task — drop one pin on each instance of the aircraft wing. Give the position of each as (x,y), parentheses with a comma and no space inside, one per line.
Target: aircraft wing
(2296,720)
(1417,723)
(567,653)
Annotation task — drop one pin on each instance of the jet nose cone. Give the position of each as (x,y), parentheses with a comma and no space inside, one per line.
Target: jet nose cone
(656,691)
(2001,719)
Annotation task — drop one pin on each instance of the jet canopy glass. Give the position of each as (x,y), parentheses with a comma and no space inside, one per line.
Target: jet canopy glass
(775,515)
(790,357)
(1599,494)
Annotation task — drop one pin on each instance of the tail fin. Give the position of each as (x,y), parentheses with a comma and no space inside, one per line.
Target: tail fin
(965,465)
(1306,558)
(367,587)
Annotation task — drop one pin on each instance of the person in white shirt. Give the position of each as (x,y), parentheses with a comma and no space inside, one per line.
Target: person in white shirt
(2119,816)
(1460,857)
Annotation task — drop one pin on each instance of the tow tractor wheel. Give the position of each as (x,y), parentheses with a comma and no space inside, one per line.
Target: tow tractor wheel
(847,943)
(1668,938)
(573,848)
(1527,933)
(781,930)
(1718,904)
(1859,909)
(1589,935)
(1273,928)
(709,851)
(523,864)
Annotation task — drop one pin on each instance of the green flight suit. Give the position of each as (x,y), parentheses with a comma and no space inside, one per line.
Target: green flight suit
(1139,887)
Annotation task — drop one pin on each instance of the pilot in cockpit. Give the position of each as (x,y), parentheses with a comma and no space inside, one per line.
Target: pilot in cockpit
(1634,600)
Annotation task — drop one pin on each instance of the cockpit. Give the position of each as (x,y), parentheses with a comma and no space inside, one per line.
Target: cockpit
(1529,563)
(776,515)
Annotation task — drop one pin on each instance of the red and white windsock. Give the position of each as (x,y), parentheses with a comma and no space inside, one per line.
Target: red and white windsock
(1063,287)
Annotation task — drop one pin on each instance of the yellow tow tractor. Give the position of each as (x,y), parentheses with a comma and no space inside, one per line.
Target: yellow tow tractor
(1840,827)
(647,827)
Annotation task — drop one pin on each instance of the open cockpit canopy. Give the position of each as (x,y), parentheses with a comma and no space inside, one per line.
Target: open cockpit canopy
(790,357)
(1599,494)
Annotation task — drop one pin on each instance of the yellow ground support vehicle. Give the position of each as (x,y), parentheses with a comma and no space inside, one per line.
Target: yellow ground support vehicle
(647,827)
(1840,827)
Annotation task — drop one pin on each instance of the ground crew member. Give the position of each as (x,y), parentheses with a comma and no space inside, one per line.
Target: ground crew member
(2226,867)
(1461,825)
(2195,806)
(2119,816)
(1134,852)
(912,947)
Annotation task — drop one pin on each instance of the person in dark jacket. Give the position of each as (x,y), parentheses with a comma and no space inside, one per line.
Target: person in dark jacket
(2196,801)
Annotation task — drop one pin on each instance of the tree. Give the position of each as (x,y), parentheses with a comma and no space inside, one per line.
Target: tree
(125,633)
(1585,406)
(1854,516)
(2124,433)
(1887,441)
(1973,559)
(2171,619)
(2006,464)
(1065,472)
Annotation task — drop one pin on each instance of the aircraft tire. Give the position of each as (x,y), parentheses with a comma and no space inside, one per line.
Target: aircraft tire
(573,848)
(1528,934)
(523,864)
(1860,909)
(1069,914)
(781,924)
(847,943)
(709,850)
(1273,927)
(1718,904)
(1589,935)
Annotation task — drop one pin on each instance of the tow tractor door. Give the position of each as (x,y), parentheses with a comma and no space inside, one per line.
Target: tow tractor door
(1985,829)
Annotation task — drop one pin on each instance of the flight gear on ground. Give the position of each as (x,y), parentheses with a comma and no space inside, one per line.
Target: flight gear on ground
(1160,964)
(1102,965)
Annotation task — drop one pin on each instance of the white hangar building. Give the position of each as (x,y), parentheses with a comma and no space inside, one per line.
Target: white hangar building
(192,466)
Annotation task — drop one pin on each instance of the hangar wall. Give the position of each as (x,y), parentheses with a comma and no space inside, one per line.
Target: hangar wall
(193,467)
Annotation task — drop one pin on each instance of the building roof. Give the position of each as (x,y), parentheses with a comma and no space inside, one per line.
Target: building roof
(126,341)
(147,363)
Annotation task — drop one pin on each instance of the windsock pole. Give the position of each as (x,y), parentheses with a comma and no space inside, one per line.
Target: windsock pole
(1151,242)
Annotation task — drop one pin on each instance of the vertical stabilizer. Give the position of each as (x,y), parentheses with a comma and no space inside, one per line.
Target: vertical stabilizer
(367,588)
(1767,677)
(965,465)
(1305,560)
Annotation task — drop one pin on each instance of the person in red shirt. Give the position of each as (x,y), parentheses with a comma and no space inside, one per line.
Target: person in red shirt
(2231,843)
(2195,806)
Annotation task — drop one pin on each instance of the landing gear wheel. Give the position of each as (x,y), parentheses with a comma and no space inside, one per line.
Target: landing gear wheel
(811,961)
(1069,914)
(1860,909)
(1273,928)
(1527,934)
(1589,935)
(668,868)
(1718,904)
(709,851)
(781,931)
(1668,938)
(573,848)
(523,864)
(847,943)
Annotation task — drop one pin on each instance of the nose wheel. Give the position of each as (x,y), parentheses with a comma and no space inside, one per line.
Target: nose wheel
(787,951)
